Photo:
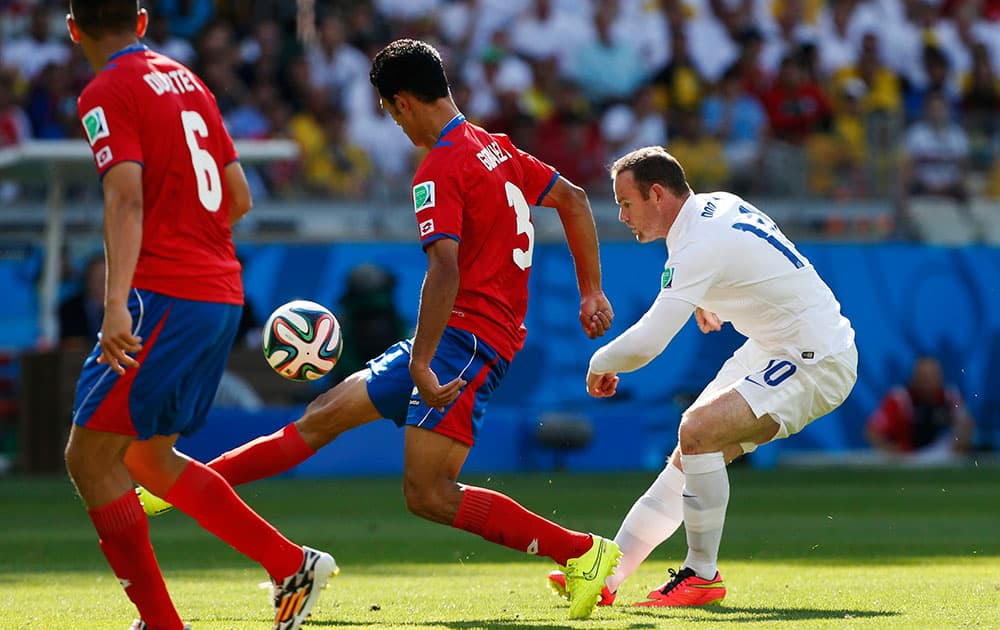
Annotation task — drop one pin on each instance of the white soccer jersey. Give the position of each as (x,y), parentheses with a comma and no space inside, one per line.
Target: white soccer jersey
(728,257)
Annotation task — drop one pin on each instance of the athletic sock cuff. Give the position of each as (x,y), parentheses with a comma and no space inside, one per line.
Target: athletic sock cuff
(120,514)
(474,510)
(703,463)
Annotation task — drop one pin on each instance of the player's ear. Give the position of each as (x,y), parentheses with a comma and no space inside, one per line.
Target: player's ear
(141,23)
(74,30)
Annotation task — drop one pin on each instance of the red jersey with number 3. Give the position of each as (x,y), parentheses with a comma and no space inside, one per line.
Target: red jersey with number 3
(146,108)
(476,187)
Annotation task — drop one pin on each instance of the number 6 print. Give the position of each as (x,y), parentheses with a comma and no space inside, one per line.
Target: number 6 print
(206,171)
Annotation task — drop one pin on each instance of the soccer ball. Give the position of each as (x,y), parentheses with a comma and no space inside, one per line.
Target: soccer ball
(302,340)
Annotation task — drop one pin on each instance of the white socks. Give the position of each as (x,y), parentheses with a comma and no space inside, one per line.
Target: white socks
(705,497)
(654,518)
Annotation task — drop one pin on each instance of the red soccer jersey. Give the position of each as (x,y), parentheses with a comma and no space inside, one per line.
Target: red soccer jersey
(476,187)
(146,108)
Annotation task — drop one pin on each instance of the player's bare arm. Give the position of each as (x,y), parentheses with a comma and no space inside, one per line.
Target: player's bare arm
(122,240)
(707,320)
(437,297)
(570,201)
(240,200)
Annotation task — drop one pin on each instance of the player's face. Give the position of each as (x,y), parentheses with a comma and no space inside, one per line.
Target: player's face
(641,215)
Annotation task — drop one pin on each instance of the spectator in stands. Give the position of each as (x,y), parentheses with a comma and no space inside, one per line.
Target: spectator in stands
(796,106)
(187,18)
(638,123)
(980,106)
(335,65)
(572,139)
(754,77)
(263,54)
(792,23)
(737,120)
(937,154)
(33,51)
(835,157)
(159,38)
(543,31)
(81,314)
(882,89)
(936,78)
(218,60)
(331,164)
(836,49)
(608,70)
(679,83)
(702,155)
(52,104)
(925,418)
(14,124)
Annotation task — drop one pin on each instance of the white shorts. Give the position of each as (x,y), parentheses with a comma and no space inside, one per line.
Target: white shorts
(781,386)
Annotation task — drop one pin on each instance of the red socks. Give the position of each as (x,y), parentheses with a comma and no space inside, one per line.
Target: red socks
(502,520)
(264,457)
(204,495)
(124,534)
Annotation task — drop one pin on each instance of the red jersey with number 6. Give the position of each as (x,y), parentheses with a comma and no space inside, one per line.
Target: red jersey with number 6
(146,108)
(476,187)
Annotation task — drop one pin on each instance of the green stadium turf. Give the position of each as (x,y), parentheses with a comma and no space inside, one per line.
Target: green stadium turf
(803,548)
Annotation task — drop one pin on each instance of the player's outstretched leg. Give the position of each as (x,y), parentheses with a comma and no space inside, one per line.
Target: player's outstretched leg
(585,576)
(685,588)
(557,582)
(295,596)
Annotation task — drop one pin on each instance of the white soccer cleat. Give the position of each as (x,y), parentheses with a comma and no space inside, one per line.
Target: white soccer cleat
(294,597)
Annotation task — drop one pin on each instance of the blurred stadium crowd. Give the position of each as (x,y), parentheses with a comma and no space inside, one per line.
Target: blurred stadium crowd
(847,99)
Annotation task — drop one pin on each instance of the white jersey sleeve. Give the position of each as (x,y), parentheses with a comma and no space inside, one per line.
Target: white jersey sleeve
(646,339)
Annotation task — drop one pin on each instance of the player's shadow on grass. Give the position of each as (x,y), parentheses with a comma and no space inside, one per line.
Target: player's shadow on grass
(481,625)
(737,614)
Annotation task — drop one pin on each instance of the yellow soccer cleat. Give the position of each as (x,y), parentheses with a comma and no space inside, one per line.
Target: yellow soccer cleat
(585,576)
(152,505)
(557,583)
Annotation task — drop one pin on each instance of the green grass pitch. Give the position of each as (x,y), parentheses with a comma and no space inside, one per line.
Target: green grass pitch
(802,549)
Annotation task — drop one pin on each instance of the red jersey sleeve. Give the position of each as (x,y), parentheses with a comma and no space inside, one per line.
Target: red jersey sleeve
(539,177)
(438,200)
(110,124)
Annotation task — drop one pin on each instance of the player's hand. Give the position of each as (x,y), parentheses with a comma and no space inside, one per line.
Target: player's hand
(431,391)
(596,315)
(707,320)
(117,340)
(602,385)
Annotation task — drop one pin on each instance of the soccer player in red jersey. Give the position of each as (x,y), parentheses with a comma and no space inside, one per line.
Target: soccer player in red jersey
(471,198)
(173,186)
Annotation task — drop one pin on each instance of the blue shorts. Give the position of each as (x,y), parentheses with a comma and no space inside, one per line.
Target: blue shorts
(185,346)
(460,353)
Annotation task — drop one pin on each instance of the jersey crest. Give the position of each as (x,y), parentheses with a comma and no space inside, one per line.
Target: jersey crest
(423,196)
(667,278)
(95,123)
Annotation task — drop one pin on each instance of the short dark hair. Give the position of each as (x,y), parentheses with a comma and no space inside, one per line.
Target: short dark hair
(104,17)
(653,165)
(408,65)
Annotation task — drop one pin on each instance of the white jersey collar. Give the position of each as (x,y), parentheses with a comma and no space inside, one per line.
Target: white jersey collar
(676,231)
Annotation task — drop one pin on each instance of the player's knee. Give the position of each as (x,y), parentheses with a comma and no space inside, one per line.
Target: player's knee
(419,500)
(693,434)
(75,459)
